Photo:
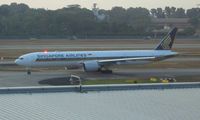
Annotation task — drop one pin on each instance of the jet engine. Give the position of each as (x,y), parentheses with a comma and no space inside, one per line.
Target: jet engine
(91,66)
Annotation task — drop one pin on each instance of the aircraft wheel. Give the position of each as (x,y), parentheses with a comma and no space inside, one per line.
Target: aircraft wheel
(28,72)
(107,71)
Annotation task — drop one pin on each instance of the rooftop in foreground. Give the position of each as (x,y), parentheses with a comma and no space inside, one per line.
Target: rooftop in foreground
(161,104)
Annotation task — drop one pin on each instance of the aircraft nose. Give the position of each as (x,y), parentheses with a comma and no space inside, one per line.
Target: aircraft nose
(16,61)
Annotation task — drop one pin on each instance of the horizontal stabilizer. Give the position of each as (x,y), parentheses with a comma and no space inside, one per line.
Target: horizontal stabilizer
(126,59)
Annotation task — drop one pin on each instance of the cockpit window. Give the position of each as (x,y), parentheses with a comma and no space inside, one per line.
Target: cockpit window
(21,58)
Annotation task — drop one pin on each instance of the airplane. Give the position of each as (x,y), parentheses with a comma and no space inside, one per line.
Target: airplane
(99,61)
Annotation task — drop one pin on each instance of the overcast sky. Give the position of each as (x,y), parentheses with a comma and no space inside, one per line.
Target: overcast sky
(106,4)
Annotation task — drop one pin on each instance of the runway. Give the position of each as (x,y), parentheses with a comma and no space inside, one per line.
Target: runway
(92,46)
(184,68)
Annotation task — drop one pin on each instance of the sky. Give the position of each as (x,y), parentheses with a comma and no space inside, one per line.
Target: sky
(106,4)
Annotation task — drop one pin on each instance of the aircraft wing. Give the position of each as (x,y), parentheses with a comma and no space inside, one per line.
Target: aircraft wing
(110,61)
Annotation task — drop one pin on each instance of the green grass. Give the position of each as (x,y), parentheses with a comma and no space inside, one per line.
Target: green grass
(117,81)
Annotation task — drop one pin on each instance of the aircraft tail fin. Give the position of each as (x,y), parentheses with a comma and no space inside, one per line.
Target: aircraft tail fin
(167,41)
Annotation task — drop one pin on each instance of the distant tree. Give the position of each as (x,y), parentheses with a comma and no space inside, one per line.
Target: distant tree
(180,13)
(139,19)
(194,12)
(117,15)
(160,13)
(173,12)
(154,12)
(168,12)
(21,20)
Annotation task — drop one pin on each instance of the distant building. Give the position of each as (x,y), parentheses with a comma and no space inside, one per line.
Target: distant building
(74,6)
(167,23)
(97,14)
(163,25)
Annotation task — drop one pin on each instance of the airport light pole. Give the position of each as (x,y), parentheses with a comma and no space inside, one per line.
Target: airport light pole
(79,79)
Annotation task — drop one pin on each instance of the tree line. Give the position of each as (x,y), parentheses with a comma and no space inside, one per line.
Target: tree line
(172,12)
(21,20)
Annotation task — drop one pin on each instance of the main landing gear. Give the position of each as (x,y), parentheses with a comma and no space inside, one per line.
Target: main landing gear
(105,70)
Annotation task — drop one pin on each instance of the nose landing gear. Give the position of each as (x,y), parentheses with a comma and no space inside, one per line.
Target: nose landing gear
(28,71)
(106,70)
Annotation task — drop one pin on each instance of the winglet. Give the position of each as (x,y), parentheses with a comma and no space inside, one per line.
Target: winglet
(167,41)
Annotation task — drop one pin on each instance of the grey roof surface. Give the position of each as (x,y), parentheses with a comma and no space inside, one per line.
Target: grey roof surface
(171,20)
(169,104)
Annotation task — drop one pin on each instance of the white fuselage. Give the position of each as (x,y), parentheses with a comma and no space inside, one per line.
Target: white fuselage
(73,59)
(99,60)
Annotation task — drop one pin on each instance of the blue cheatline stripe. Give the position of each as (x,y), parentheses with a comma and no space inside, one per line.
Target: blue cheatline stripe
(99,58)
(76,59)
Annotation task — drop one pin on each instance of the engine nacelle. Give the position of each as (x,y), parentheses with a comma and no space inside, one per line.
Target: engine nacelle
(91,66)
